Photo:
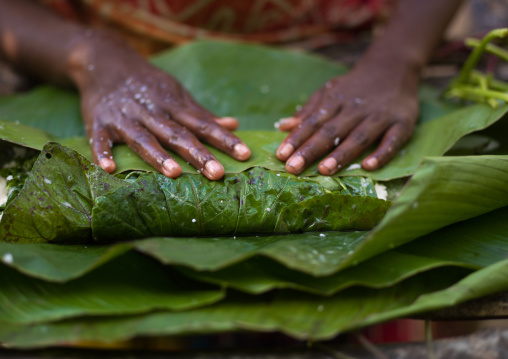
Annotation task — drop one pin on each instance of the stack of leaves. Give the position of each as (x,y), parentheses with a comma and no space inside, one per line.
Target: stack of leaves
(310,256)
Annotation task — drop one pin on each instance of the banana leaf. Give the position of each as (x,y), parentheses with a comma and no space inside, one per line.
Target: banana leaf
(320,317)
(129,284)
(301,316)
(476,243)
(67,199)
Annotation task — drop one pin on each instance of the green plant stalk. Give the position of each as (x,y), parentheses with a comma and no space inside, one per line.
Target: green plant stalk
(466,91)
(483,83)
(478,51)
(490,48)
(497,84)
(492,83)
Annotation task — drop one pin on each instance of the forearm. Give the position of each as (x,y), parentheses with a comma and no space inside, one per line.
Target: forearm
(38,42)
(414,31)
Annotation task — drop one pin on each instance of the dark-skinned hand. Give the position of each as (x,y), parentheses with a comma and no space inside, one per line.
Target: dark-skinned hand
(348,115)
(126,100)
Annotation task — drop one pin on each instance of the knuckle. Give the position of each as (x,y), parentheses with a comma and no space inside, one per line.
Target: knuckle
(360,138)
(312,122)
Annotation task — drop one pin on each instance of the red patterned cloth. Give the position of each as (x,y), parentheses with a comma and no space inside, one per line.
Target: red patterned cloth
(269,21)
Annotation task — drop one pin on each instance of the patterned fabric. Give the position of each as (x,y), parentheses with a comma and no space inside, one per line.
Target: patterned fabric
(316,22)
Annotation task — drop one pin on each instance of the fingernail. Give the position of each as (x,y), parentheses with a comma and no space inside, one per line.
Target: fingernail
(228,118)
(107,164)
(286,150)
(372,163)
(330,164)
(285,122)
(213,167)
(241,151)
(228,122)
(172,168)
(297,163)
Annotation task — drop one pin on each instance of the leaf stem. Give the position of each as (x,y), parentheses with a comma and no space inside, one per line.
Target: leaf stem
(468,91)
(490,48)
(477,52)
(483,83)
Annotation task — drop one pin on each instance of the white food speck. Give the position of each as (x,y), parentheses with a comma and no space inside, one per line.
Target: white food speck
(322,235)
(9,178)
(268,209)
(336,141)
(194,220)
(381,191)
(105,152)
(48,181)
(264,89)
(7,258)
(354,166)
(278,174)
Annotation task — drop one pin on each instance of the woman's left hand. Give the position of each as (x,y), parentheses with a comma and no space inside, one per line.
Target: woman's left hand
(348,115)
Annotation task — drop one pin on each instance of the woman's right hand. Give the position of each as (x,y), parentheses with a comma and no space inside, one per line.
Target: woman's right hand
(124,99)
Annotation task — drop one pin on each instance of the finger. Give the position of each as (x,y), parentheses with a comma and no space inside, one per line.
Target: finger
(229,123)
(353,146)
(288,123)
(146,145)
(305,130)
(100,144)
(392,141)
(211,132)
(321,143)
(183,142)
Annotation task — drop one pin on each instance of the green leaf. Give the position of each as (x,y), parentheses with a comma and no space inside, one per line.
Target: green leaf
(253,202)
(303,316)
(49,109)
(331,212)
(56,201)
(128,284)
(58,263)
(309,252)
(65,196)
(443,191)
(475,243)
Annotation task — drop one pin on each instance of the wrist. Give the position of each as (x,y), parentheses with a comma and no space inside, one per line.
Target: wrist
(89,51)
